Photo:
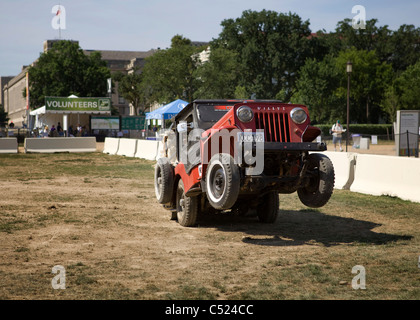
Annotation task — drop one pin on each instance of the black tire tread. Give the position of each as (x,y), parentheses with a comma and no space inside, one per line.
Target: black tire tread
(189,218)
(167,176)
(326,183)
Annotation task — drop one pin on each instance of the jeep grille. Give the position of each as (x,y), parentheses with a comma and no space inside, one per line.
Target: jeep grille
(275,125)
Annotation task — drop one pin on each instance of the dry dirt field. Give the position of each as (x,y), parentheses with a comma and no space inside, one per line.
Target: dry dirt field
(96,216)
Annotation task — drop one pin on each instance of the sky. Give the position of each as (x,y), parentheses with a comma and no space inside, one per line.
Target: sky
(139,25)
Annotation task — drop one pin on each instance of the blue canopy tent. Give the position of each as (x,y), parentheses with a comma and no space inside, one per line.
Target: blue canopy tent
(167,111)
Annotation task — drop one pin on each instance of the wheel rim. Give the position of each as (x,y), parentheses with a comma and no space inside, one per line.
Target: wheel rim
(218,182)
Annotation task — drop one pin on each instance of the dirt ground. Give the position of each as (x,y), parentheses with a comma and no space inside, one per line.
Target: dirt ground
(97,216)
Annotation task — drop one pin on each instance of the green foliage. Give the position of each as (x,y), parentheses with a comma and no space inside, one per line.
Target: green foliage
(271,47)
(369,80)
(169,74)
(408,87)
(371,38)
(179,41)
(316,89)
(405,44)
(131,89)
(322,86)
(218,77)
(403,93)
(390,104)
(65,70)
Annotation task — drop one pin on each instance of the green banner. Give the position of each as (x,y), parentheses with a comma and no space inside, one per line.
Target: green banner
(90,105)
(133,123)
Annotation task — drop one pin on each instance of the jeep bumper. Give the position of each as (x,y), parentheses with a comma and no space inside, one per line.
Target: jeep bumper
(294,146)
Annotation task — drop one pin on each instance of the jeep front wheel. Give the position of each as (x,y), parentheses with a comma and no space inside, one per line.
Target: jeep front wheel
(320,184)
(186,207)
(222,181)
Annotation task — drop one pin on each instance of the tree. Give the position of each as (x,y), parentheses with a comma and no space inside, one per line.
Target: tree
(371,38)
(407,87)
(316,88)
(322,86)
(131,89)
(369,79)
(401,48)
(405,44)
(169,74)
(403,93)
(3,116)
(65,70)
(179,41)
(391,103)
(270,46)
(218,78)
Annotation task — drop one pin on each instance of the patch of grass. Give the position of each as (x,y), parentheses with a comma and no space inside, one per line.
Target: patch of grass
(14,225)
(191,292)
(84,280)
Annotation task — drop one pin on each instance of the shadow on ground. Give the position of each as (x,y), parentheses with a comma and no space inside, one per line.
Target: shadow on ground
(294,228)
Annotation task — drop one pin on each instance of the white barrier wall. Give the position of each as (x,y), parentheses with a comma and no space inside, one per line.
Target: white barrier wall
(344,164)
(8,145)
(111,145)
(127,147)
(52,145)
(147,149)
(387,175)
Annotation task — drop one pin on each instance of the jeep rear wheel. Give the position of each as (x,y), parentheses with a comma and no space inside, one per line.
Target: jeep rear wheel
(268,207)
(164,180)
(186,207)
(320,185)
(222,181)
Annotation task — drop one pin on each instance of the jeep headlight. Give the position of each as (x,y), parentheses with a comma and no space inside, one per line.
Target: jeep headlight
(298,115)
(245,113)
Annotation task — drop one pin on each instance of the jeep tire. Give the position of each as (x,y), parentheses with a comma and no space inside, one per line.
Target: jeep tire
(186,207)
(268,207)
(222,181)
(319,188)
(164,180)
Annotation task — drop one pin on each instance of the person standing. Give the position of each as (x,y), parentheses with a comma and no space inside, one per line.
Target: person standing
(337,130)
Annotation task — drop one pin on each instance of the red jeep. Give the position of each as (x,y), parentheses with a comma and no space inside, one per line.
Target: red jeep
(237,156)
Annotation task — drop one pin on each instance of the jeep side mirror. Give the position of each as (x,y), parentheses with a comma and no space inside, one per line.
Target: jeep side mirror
(181,127)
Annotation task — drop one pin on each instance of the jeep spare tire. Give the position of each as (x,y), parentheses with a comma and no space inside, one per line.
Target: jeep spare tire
(320,184)
(222,181)
(164,180)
